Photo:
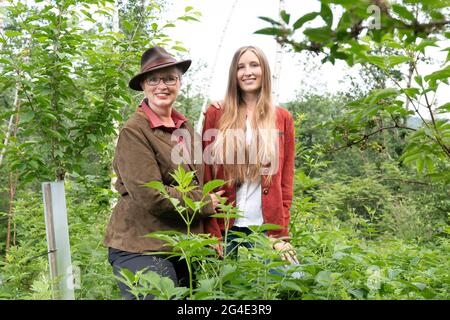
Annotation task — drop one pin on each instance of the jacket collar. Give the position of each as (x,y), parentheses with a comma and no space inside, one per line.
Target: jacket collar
(155,121)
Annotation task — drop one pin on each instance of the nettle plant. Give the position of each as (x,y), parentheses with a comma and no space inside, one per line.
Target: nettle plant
(258,273)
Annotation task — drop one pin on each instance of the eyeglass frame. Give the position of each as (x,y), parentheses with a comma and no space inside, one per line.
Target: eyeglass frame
(147,80)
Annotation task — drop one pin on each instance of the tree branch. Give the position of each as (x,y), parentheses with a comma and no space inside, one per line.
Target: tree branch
(366,136)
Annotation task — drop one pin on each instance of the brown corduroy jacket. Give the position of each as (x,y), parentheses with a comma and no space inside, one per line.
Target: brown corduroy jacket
(143,154)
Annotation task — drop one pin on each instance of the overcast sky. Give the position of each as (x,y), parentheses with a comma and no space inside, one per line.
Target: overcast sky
(202,41)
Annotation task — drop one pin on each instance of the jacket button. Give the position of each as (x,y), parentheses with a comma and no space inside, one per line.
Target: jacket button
(265,191)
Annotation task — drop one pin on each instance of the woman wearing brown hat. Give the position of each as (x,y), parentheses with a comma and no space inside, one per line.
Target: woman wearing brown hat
(143,154)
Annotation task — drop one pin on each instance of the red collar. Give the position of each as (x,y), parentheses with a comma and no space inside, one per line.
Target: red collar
(155,121)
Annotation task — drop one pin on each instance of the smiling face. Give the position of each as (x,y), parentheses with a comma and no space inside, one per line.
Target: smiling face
(162,95)
(249,73)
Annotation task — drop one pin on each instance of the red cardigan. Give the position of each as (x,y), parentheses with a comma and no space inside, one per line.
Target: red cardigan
(276,195)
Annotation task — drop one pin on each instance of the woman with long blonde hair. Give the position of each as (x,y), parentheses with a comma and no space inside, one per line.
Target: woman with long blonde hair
(249,143)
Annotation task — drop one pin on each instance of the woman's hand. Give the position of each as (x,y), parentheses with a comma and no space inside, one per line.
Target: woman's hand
(286,249)
(215,198)
(216,104)
(219,249)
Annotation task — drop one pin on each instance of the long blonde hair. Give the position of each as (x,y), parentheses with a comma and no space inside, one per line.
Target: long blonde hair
(263,124)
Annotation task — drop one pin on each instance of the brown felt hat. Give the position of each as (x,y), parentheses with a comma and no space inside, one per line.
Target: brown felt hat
(153,59)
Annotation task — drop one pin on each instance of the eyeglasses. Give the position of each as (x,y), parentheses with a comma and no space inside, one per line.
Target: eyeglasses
(168,80)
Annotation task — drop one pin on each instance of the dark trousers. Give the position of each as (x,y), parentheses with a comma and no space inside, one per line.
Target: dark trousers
(232,244)
(172,268)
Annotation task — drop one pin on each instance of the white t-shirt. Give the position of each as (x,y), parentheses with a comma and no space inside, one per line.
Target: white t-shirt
(248,196)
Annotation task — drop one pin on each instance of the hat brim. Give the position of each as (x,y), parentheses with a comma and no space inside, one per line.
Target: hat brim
(135,82)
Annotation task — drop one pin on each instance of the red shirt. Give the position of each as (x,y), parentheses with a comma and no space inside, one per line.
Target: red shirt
(155,121)
(276,195)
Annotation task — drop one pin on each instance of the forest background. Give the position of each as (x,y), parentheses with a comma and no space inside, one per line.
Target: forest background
(370,217)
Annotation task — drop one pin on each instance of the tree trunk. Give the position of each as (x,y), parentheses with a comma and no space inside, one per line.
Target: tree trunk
(12,186)
(12,193)
(10,123)
(199,125)
(115,29)
(278,63)
(12,131)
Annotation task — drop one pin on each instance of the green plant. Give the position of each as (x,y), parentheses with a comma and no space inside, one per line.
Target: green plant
(338,264)
(187,246)
(143,283)
(25,271)
(258,273)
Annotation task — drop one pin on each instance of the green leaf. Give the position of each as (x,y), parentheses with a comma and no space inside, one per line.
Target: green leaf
(227,215)
(28,143)
(50,116)
(302,20)
(377,95)
(379,61)
(271,31)
(26,117)
(211,185)
(438,75)
(174,201)
(12,33)
(179,48)
(411,92)
(270,20)
(268,226)
(87,14)
(426,43)
(418,80)
(206,285)
(158,185)
(128,275)
(227,272)
(187,179)
(188,18)
(430,164)
(324,278)
(403,12)
(322,34)
(436,15)
(326,14)
(357,293)
(420,164)
(190,203)
(395,60)
(171,233)
(291,285)
(167,287)
(444,108)
(344,22)
(285,16)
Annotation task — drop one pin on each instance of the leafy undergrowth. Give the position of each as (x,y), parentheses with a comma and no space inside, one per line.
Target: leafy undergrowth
(338,260)
(24,271)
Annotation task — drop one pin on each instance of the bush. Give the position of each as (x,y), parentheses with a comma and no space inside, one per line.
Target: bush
(358,194)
